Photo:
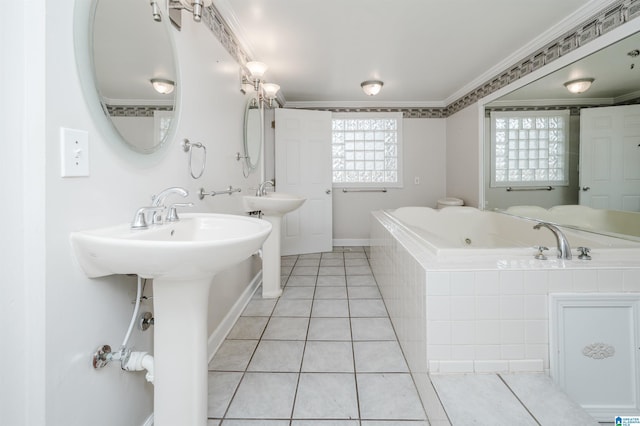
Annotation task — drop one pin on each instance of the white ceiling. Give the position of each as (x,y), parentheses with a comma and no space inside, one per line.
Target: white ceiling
(427,52)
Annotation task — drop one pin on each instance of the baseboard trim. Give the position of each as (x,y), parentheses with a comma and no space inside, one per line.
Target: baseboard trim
(348,242)
(220,333)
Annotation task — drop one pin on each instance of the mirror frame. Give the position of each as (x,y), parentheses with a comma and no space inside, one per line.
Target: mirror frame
(250,162)
(599,43)
(84,12)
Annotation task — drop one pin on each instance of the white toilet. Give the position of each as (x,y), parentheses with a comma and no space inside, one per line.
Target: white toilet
(449,201)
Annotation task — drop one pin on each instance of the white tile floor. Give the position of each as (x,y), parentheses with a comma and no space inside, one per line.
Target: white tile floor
(323,354)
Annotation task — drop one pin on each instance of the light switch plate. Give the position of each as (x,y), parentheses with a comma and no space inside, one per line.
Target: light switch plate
(74,152)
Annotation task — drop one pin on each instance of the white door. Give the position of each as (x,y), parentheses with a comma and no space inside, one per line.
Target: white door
(303,167)
(610,157)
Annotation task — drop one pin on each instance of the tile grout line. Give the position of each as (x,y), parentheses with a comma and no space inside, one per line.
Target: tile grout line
(518,398)
(304,348)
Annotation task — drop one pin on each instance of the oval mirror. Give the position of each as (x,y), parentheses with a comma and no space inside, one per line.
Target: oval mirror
(130,50)
(253,132)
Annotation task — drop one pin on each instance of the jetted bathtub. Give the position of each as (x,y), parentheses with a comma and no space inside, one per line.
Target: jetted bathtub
(467,231)
(466,295)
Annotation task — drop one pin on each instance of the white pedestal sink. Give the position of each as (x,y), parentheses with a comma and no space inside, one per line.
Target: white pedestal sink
(273,205)
(182,259)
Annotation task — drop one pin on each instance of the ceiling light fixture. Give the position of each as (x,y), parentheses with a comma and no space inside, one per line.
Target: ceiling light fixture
(579,86)
(371,87)
(162,85)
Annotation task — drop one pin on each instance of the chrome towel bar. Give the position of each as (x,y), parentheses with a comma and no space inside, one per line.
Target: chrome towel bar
(364,190)
(230,190)
(536,188)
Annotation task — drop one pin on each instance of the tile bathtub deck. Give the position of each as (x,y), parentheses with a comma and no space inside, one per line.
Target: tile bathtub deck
(324,353)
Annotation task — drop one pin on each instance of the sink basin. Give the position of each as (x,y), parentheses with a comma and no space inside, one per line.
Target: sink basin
(199,245)
(273,204)
(182,258)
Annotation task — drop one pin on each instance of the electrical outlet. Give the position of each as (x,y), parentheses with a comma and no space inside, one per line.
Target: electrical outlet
(416,180)
(74,152)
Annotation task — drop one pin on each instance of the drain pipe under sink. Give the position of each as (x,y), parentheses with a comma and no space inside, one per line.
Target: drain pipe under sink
(138,361)
(129,361)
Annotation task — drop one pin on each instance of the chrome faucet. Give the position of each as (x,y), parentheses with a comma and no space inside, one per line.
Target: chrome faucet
(262,188)
(158,201)
(564,250)
(142,219)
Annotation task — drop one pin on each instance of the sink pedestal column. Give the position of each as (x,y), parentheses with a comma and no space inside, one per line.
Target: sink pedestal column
(180,351)
(271,285)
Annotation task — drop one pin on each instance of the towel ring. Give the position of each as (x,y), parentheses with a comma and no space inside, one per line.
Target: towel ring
(187,147)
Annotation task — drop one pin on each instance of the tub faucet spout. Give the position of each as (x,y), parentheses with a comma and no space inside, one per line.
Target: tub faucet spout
(564,250)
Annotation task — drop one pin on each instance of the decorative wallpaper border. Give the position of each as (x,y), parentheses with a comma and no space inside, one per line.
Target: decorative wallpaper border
(134,110)
(611,17)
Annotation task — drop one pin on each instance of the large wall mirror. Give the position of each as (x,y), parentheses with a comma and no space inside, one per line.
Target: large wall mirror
(127,50)
(253,133)
(572,159)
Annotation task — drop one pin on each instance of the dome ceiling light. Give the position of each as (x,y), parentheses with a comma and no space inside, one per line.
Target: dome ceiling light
(579,86)
(371,87)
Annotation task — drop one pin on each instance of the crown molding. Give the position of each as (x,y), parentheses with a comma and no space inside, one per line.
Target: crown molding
(229,17)
(571,22)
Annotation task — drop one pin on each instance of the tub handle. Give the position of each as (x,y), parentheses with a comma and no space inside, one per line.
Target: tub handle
(540,255)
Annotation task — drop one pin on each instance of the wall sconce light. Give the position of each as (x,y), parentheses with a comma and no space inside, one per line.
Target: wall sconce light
(193,6)
(270,91)
(256,72)
(580,85)
(162,85)
(155,11)
(371,87)
(254,80)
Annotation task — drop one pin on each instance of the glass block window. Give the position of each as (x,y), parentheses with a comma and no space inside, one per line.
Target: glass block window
(530,148)
(367,149)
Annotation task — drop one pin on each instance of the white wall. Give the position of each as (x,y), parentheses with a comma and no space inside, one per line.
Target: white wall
(464,146)
(424,157)
(58,316)
(22,286)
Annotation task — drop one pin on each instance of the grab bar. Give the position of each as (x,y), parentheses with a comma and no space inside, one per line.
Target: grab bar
(230,190)
(537,188)
(364,190)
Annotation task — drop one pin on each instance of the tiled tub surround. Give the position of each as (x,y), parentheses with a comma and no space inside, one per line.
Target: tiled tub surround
(479,313)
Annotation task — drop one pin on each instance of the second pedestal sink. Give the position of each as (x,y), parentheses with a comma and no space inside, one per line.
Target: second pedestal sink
(182,259)
(273,206)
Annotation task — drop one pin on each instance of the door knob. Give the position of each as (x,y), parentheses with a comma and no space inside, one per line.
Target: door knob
(586,188)
(328,191)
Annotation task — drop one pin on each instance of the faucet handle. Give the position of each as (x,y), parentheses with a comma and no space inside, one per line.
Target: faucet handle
(172,213)
(540,255)
(140,218)
(584,253)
